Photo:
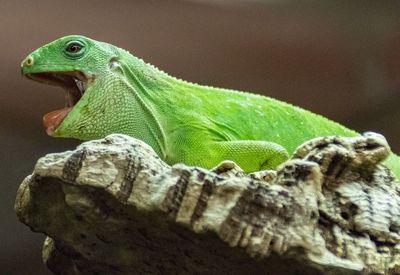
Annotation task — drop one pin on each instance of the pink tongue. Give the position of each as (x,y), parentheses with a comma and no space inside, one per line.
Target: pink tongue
(53,119)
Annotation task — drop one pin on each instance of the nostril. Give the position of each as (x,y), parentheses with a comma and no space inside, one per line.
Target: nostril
(29,61)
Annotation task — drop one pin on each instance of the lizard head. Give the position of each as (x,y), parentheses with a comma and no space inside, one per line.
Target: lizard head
(74,63)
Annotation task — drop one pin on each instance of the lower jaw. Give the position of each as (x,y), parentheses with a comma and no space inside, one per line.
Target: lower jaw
(53,119)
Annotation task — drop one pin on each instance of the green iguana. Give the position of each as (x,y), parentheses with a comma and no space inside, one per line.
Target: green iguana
(108,90)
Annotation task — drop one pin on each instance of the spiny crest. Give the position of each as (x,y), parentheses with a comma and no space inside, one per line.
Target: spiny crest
(192,83)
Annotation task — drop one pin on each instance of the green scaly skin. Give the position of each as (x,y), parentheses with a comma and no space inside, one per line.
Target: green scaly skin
(182,121)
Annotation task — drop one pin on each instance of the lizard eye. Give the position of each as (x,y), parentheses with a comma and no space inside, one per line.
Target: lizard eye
(74,49)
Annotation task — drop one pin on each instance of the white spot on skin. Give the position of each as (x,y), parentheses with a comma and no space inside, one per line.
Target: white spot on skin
(260,113)
(114,64)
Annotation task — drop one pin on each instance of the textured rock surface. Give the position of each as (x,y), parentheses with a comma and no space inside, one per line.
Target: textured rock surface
(113,207)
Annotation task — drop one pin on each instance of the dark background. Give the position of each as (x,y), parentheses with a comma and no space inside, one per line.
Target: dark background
(337,58)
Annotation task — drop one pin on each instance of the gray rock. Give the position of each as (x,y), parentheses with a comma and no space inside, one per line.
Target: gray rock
(113,207)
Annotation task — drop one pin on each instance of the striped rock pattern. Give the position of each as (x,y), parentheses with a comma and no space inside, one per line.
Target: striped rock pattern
(113,207)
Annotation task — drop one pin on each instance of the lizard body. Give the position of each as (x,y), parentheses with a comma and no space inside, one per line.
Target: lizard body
(108,90)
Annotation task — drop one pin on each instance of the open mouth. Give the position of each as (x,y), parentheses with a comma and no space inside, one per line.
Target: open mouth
(74,83)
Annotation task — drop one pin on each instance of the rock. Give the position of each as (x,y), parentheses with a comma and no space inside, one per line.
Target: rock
(113,207)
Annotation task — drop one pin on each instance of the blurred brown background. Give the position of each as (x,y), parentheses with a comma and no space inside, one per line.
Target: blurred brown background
(337,58)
